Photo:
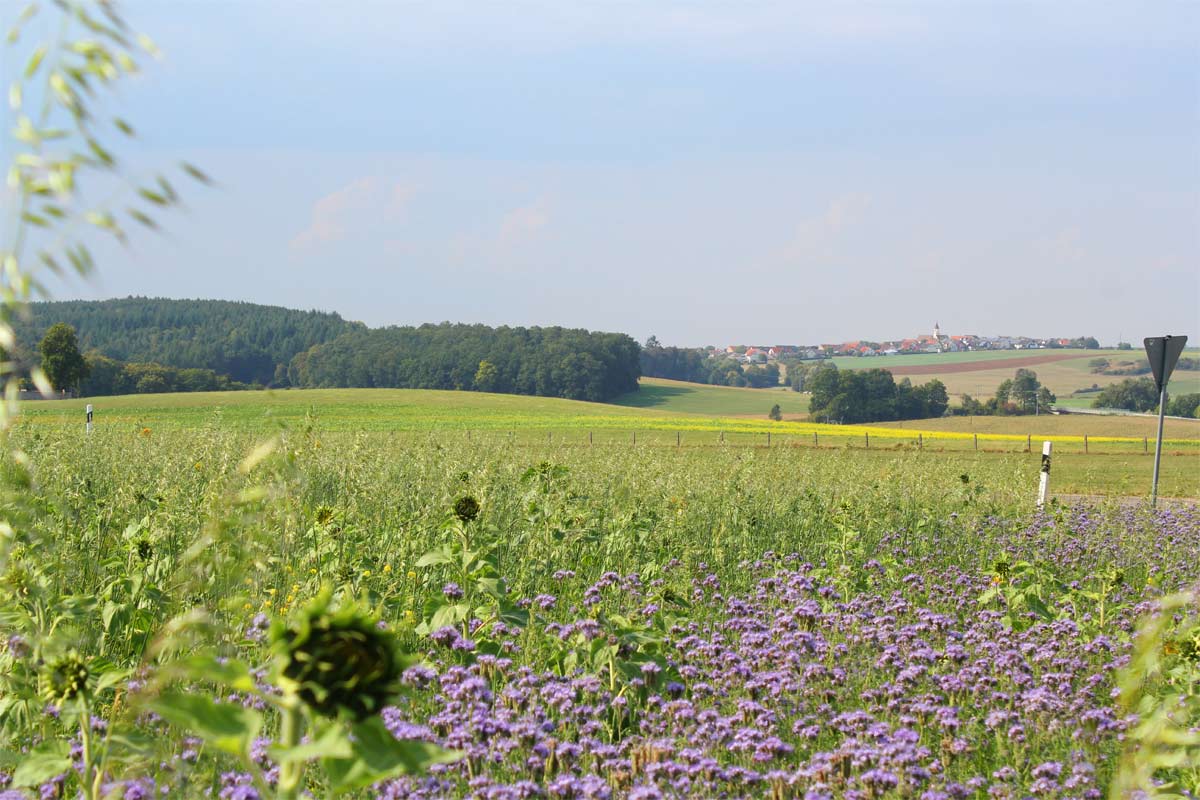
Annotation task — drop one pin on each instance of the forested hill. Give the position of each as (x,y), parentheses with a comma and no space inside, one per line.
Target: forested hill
(245,341)
(552,362)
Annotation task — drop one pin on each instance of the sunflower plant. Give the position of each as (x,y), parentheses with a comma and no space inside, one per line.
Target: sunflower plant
(333,669)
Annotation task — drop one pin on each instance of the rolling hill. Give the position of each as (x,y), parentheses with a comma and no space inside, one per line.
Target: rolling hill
(245,341)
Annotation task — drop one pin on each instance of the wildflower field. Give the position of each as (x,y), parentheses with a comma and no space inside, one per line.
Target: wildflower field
(221,610)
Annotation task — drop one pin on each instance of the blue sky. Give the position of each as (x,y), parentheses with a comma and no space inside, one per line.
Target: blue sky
(707,172)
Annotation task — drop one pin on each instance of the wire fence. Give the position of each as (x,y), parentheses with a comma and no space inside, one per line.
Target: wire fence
(864,439)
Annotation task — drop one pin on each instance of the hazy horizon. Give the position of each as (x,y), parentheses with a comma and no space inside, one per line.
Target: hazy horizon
(704,173)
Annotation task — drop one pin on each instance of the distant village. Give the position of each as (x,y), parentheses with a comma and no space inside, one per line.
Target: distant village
(937,342)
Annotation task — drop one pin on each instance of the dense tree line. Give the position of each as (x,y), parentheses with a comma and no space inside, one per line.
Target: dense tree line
(871,395)
(1021,394)
(107,376)
(1184,405)
(696,365)
(550,362)
(798,372)
(248,342)
(1140,394)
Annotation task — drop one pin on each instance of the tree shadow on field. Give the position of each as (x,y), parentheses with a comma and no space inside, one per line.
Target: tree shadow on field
(651,396)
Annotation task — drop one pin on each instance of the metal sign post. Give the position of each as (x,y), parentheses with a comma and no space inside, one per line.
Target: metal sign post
(1044,485)
(89,417)
(1163,353)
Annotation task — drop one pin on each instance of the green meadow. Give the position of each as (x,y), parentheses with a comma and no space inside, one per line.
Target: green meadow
(660,394)
(1113,460)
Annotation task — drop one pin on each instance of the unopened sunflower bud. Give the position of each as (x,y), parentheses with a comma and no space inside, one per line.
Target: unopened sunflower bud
(466,508)
(338,661)
(64,678)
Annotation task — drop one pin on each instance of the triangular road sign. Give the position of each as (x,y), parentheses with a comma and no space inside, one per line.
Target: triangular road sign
(1163,352)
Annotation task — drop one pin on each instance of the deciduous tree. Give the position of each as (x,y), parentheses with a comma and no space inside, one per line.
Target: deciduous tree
(61,360)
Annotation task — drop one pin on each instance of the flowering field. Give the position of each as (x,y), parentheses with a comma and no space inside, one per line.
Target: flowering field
(191,612)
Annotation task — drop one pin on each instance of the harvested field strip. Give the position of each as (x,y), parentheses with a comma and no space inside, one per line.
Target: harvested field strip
(978,366)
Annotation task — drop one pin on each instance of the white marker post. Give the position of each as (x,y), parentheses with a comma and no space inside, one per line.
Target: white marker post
(1044,486)
(89,417)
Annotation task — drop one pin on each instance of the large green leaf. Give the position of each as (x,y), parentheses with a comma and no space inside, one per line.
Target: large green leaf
(42,763)
(225,672)
(378,756)
(331,743)
(225,726)
(435,557)
(449,615)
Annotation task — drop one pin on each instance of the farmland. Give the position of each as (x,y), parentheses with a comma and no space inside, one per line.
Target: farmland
(587,617)
(979,373)
(694,398)
(1042,425)
(473,587)
(932,361)
(1116,462)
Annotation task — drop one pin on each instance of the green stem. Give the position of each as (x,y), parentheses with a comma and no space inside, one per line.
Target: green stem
(290,772)
(85,734)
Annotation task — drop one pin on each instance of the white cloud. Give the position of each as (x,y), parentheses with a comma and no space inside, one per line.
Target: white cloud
(816,237)
(332,213)
(358,206)
(397,205)
(523,224)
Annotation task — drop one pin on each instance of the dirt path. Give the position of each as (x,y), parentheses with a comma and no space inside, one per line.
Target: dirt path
(980,366)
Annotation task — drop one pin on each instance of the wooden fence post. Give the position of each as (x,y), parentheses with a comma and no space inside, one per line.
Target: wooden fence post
(768,438)
(977,441)
(868,437)
(678,437)
(1085,444)
(815,439)
(1029,444)
(920,442)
